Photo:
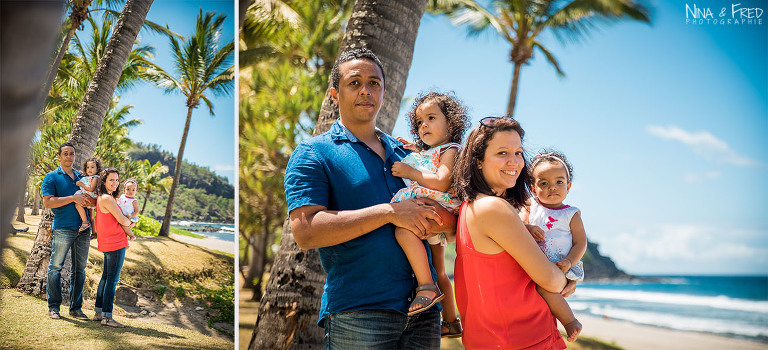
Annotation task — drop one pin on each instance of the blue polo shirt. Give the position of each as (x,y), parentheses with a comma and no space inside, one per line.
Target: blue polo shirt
(340,172)
(58,184)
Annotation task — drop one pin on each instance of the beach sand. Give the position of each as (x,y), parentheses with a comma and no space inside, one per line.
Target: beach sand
(210,243)
(632,336)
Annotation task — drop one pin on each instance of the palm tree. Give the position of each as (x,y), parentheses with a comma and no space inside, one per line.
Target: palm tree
(291,303)
(282,69)
(151,178)
(521,23)
(87,126)
(202,65)
(78,13)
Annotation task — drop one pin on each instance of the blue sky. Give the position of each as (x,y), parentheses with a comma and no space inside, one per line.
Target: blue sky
(666,126)
(211,140)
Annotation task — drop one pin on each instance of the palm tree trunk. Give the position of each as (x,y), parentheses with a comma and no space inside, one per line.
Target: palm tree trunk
(258,260)
(36,202)
(85,131)
(26,56)
(291,303)
(20,210)
(513,90)
(146,198)
(165,229)
(33,279)
(78,15)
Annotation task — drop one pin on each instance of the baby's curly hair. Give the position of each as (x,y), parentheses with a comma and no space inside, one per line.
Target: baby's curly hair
(455,114)
(551,156)
(95,161)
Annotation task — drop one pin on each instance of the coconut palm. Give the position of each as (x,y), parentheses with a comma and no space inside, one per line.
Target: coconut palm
(296,280)
(87,126)
(151,178)
(202,65)
(78,12)
(521,23)
(282,68)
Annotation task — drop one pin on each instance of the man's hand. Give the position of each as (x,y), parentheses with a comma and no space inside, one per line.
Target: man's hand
(403,170)
(536,232)
(84,200)
(415,215)
(564,265)
(570,287)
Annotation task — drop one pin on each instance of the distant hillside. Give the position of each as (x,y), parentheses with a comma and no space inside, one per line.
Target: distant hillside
(192,176)
(597,266)
(201,196)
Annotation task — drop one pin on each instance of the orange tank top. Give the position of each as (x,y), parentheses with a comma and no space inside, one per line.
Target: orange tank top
(109,234)
(497,300)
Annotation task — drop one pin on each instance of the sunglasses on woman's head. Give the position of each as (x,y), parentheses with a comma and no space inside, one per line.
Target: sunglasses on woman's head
(491,121)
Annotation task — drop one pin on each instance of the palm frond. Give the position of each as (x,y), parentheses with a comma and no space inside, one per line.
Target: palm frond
(550,58)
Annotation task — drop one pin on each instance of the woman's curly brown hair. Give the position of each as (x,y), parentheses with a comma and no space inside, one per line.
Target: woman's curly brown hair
(455,114)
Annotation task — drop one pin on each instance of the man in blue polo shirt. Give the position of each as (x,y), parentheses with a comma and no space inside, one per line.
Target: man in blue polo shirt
(338,186)
(59,195)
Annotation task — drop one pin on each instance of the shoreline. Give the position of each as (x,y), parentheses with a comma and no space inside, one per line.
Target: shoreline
(631,336)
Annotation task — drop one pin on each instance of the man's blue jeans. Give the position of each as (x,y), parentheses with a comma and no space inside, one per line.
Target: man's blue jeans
(382,329)
(105,294)
(61,242)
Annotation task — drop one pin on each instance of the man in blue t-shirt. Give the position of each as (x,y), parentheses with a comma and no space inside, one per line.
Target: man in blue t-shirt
(59,195)
(338,186)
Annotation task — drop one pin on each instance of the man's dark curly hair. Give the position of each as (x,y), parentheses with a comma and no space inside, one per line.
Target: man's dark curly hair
(455,114)
(354,54)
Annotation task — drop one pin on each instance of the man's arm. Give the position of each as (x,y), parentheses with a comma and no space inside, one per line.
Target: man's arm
(51,202)
(314,226)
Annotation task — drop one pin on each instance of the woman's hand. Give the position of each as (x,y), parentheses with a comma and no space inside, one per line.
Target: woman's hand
(403,170)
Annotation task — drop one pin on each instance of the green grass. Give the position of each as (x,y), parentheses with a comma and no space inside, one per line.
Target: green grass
(179,231)
(148,227)
(25,326)
(169,268)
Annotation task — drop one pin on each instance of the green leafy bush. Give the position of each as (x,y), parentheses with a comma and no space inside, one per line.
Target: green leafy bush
(224,301)
(146,227)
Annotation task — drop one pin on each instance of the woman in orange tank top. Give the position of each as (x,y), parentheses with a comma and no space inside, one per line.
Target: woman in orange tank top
(112,242)
(498,264)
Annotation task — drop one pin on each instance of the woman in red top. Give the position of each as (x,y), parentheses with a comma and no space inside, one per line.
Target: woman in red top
(498,263)
(112,242)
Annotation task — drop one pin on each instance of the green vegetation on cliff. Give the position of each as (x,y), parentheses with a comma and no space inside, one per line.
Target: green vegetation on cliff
(202,195)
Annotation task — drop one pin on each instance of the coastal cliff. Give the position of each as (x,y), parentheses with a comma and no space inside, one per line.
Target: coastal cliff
(598,267)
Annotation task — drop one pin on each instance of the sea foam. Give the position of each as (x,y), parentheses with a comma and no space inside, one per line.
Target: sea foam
(719,302)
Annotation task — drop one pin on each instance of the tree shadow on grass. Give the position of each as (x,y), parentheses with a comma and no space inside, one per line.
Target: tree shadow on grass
(13,275)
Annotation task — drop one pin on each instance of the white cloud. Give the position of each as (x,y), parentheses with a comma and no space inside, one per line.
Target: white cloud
(702,143)
(701,177)
(680,248)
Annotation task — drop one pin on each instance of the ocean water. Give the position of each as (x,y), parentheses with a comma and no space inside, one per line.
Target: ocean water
(224,232)
(735,306)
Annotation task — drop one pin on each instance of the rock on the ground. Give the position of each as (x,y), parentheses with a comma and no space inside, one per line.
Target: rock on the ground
(199,308)
(125,296)
(226,327)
